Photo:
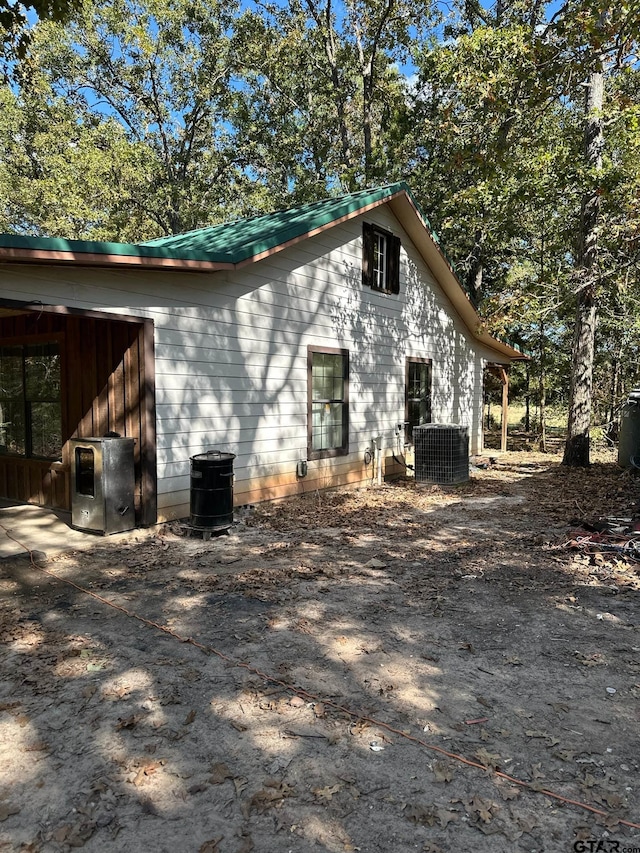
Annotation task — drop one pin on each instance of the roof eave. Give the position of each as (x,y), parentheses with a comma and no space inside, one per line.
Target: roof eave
(12,255)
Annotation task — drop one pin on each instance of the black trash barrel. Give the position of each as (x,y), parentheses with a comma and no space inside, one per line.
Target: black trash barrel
(212,491)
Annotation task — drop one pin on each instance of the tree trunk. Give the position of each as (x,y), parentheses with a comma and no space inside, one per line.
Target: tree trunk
(328,37)
(542,393)
(527,402)
(367,101)
(576,451)
(476,269)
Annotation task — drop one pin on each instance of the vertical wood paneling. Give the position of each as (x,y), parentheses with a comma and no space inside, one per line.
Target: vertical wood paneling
(101,401)
(72,403)
(105,384)
(117,382)
(148,448)
(85,374)
(132,406)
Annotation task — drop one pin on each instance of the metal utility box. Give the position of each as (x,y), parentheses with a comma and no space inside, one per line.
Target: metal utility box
(102,484)
(629,439)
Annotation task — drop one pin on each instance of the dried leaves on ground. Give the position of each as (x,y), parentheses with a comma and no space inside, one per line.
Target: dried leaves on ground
(392,668)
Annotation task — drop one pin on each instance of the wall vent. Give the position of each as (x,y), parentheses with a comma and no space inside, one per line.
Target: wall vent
(441,453)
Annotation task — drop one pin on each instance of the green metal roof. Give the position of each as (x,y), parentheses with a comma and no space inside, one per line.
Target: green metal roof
(228,243)
(81,247)
(236,241)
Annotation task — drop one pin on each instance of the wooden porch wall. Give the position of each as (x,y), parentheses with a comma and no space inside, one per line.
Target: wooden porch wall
(102,390)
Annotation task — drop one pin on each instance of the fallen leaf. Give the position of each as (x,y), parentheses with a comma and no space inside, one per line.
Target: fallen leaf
(509,792)
(612,799)
(550,739)
(319,710)
(128,722)
(61,833)
(211,846)
(116,693)
(443,772)
(6,810)
(432,847)
(582,833)
(489,759)
(467,647)
(446,816)
(328,792)
(359,727)
(425,815)
(485,809)
(271,795)
(240,783)
(564,754)
(526,822)
(139,778)
(38,746)
(189,718)
(219,773)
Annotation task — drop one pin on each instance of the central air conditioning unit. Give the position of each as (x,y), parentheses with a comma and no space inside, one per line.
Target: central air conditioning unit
(441,453)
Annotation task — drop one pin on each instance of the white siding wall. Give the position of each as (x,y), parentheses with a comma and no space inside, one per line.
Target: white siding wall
(231,354)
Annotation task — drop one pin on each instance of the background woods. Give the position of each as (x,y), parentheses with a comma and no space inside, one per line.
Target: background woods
(517,127)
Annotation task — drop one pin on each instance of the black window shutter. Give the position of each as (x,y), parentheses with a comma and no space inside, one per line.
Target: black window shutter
(394,264)
(367,254)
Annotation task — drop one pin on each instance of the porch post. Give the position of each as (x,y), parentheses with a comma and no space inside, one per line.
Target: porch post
(504,376)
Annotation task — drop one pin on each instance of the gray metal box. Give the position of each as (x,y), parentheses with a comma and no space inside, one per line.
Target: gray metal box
(102,484)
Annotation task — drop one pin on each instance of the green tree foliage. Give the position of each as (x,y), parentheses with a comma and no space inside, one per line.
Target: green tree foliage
(156,116)
(153,84)
(501,97)
(66,177)
(323,80)
(15,32)
(473,128)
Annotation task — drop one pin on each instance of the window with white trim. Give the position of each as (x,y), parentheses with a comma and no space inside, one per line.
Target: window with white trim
(380,259)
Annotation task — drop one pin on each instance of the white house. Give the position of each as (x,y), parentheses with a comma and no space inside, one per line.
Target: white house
(298,336)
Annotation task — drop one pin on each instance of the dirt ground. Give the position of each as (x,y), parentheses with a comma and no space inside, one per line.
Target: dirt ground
(391,669)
